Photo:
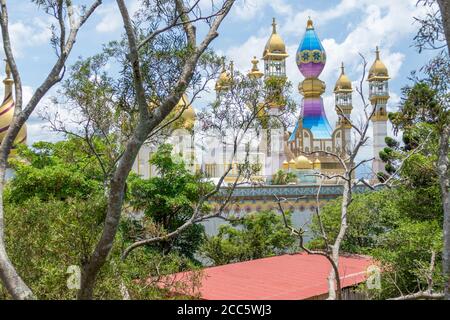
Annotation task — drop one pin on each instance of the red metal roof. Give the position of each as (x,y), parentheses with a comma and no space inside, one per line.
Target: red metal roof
(287,277)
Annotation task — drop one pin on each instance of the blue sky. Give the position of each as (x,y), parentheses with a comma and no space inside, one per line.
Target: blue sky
(346,27)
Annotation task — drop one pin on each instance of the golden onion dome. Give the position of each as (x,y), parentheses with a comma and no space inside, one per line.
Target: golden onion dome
(292,163)
(187,119)
(7,111)
(343,83)
(275,45)
(303,163)
(378,71)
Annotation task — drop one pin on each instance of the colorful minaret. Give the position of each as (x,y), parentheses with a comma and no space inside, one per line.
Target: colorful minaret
(311,59)
(344,105)
(379,96)
(7,111)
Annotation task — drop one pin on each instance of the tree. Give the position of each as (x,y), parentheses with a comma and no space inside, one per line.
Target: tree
(167,201)
(55,209)
(160,22)
(257,235)
(428,101)
(64,35)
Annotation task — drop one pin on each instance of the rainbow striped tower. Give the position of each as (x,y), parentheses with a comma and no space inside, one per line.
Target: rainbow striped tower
(311,59)
(7,111)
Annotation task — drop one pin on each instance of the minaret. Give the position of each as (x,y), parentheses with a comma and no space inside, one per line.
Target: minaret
(344,105)
(274,56)
(7,111)
(311,59)
(379,96)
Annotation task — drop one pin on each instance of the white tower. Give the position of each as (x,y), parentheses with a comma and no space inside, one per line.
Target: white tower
(379,96)
(344,106)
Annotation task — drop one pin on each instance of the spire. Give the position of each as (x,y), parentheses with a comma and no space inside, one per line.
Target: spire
(310,24)
(342,68)
(378,71)
(274,26)
(8,81)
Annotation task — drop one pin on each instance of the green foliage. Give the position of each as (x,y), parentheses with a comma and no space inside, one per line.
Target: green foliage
(369,215)
(58,171)
(169,200)
(283,178)
(405,254)
(55,208)
(398,227)
(255,236)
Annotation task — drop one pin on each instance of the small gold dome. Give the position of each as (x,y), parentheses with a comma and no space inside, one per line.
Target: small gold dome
(275,45)
(225,78)
(378,69)
(187,119)
(343,83)
(303,163)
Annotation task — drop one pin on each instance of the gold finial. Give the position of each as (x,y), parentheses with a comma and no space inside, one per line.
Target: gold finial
(254,72)
(274,26)
(310,24)
(255,64)
(377,51)
(343,68)
(8,80)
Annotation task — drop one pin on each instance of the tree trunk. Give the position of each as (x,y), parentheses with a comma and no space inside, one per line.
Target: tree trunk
(444,181)
(444,6)
(334,281)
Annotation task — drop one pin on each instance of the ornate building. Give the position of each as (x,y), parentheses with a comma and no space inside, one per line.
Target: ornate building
(7,109)
(309,146)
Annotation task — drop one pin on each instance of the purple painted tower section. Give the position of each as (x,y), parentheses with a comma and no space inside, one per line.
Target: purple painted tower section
(311,59)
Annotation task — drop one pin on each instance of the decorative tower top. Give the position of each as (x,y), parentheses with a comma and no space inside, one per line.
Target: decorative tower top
(255,73)
(7,111)
(343,84)
(311,56)
(275,48)
(9,82)
(378,71)
(225,78)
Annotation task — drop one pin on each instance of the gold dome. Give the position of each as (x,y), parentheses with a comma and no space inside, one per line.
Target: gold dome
(275,47)
(378,71)
(317,164)
(7,111)
(225,77)
(343,83)
(303,163)
(187,119)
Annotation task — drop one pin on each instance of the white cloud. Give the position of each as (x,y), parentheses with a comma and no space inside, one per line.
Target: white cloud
(111,20)
(246,10)
(28,34)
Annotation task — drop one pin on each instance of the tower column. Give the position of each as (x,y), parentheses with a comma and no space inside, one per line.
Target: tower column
(379,96)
